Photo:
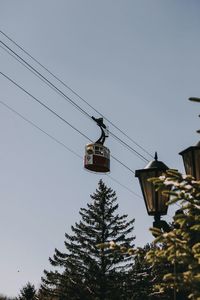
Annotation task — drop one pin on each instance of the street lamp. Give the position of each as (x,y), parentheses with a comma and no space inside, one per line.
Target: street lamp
(191,160)
(191,155)
(155,201)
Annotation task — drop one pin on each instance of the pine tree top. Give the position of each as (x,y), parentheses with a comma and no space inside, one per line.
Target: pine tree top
(83,261)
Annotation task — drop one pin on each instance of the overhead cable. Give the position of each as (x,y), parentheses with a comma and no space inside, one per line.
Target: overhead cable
(46,80)
(57,90)
(60,143)
(44,105)
(40,129)
(58,116)
(75,93)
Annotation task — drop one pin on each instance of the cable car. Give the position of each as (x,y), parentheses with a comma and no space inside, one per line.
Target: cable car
(97,156)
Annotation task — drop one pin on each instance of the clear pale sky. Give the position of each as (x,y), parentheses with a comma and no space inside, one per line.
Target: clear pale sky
(137,62)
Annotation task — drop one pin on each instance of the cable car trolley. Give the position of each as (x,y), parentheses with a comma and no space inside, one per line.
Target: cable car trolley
(97,156)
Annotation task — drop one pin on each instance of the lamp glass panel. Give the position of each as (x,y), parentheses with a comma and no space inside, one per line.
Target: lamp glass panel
(162,200)
(148,191)
(197,163)
(188,164)
(191,160)
(150,195)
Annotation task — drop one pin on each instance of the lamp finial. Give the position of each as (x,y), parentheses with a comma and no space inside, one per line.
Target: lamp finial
(156,156)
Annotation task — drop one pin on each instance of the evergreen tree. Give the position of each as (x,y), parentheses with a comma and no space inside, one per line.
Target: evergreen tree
(139,281)
(28,292)
(91,271)
(140,276)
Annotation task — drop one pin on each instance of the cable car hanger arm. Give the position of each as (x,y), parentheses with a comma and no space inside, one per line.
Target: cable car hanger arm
(102,126)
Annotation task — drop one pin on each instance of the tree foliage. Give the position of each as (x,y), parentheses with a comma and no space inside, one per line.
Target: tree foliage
(28,292)
(3,297)
(139,281)
(140,276)
(89,270)
(180,247)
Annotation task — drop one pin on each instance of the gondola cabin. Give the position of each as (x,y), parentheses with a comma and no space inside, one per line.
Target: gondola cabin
(97,158)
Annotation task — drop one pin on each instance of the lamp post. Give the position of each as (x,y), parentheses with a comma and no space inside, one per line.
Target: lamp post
(155,201)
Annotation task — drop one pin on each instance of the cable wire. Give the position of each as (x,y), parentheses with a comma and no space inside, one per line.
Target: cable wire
(73,91)
(124,186)
(46,80)
(57,90)
(61,143)
(58,116)
(112,134)
(40,129)
(128,147)
(44,105)
(50,84)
